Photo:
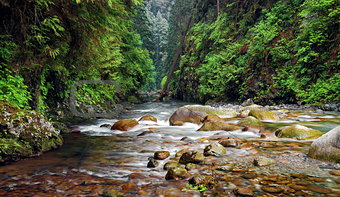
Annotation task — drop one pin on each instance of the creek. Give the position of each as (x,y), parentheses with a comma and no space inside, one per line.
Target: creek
(99,159)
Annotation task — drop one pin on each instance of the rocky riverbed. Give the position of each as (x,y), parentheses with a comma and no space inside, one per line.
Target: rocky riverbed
(247,160)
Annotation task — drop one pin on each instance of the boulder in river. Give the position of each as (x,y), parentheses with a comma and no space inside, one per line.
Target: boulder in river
(261,114)
(25,133)
(206,181)
(148,118)
(327,147)
(215,149)
(171,164)
(250,121)
(298,131)
(212,118)
(182,115)
(124,125)
(161,155)
(152,163)
(218,125)
(177,173)
(192,157)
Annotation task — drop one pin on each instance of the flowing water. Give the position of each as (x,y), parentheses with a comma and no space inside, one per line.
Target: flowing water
(99,159)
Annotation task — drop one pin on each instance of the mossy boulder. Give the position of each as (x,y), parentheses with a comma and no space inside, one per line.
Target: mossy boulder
(327,147)
(298,131)
(191,157)
(206,181)
(124,125)
(25,133)
(215,149)
(177,173)
(212,118)
(263,114)
(218,111)
(171,164)
(218,125)
(148,118)
(250,121)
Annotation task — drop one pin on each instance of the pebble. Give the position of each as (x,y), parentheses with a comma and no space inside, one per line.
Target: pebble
(244,191)
(271,189)
(319,189)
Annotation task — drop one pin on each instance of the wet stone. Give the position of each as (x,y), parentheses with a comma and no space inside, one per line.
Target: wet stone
(190,166)
(145,133)
(226,168)
(106,125)
(300,176)
(319,189)
(171,164)
(192,157)
(263,161)
(249,176)
(207,181)
(161,155)
(337,180)
(335,172)
(215,149)
(244,191)
(271,189)
(181,152)
(152,163)
(177,173)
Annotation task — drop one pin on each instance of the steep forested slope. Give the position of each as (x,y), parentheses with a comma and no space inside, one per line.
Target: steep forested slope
(272,51)
(47,45)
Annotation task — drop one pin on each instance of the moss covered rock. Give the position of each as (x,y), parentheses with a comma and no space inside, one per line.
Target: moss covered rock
(298,131)
(327,147)
(191,157)
(263,114)
(177,173)
(215,149)
(218,125)
(250,122)
(25,133)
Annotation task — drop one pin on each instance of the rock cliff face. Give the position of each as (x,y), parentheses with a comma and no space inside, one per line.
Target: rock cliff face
(25,133)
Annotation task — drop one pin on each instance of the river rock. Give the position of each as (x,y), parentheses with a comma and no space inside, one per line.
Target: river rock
(232,142)
(192,157)
(327,147)
(244,191)
(250,121)
(271,189)
(152,163)
(161,155)
(25,133)
(215,149)
(212,118)
(297,131)
(247,102)
(124,125)
(335,172)
(171,164)
(218,125)
(181,152)
(182,115)
(177,173)
(263,161)
(222,112)
(106,125)
(244,113)
(190,166)
(148,118)
(207,181)
(263,114)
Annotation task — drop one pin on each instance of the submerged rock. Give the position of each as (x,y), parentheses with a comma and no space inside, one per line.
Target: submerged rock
(148,118)
(191,157)
(215,149)
(206,181)
(177,173)
(25,133)
(297,131)
(232,142)
(161,155)
(263,114)
(218,125)
(327,147)
(106,125)
(263,161)
(124,125)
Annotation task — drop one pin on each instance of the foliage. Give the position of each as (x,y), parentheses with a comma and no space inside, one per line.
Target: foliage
(56,43)
(279,52)
(200,188)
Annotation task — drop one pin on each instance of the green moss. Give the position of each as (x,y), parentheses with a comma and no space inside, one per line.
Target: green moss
(14,148)
(263,115)
(250,121)
(299,132)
